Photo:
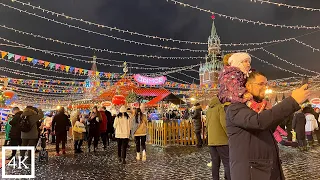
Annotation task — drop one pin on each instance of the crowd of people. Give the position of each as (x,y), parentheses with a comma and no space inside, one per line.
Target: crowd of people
(243,128)
(25,128)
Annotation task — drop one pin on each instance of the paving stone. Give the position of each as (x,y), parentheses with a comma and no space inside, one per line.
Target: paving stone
(184,162)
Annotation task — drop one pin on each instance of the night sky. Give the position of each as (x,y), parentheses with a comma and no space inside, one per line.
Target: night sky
(164,19)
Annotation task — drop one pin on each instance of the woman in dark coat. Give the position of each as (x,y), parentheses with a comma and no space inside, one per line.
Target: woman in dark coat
(197,123)
(298,124)
(94,127)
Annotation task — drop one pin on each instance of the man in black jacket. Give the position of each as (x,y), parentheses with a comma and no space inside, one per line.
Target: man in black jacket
(60,127)
(197,123)
(253,152)
(15,132)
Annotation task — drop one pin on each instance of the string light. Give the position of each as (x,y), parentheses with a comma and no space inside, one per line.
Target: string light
(313,49)
(246,20)
(282,69)
(139,34)
(58,54)
(286,5)
(288,62)
(97,49)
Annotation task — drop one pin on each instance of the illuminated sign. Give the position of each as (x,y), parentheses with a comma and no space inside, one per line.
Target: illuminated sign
(150,81)
(315,101)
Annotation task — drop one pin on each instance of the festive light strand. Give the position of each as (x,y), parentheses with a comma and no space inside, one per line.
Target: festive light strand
(282,69)
(288,62)
(246,20)
(286,5)
(61,54)
(100,50)
(136,33)
(313,49)
(109,27)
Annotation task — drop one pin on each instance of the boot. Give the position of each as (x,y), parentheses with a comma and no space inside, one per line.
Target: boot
(138,156)
(144,155)
(63,151)
(76,147)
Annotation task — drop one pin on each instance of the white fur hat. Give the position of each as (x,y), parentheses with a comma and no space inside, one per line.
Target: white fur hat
(237,58)
(123,109)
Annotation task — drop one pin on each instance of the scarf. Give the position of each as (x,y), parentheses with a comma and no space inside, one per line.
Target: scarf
(256,106)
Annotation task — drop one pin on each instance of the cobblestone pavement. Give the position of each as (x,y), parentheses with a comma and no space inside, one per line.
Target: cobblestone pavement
(170,163)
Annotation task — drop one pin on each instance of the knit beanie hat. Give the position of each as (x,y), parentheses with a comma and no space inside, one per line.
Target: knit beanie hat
(226,59)
(237,58)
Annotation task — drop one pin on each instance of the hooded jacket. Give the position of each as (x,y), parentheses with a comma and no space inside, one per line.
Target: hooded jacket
(34,118)
(216,123)
(15,132)
(232,85)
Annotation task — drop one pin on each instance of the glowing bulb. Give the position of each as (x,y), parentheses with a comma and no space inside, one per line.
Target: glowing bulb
(192,99)
(58,107)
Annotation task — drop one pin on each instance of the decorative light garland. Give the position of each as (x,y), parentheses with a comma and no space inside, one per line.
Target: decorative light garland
(58,54)
(139,34)
(246,20)
(288,62)
(286,5)
(282,69)
(313,49)
(101,50)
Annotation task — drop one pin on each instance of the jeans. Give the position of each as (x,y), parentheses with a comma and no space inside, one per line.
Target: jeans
(15,142)
(122,147)
(28,142)
(104,138)
(95,141)
(61,138)
(218,154)
(77,145)
(140,140)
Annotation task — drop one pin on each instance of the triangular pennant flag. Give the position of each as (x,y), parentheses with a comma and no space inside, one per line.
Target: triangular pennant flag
(71,69)
(41,62)
(106,75)
(16,57)
(80,71)
(101,74)
(67,68)
(57,66)
(23,58)
(46,64)
(89,72)
(3,54)
(10,55)
(76,70)
(29,59)
(62,67)
(34,61)
(97,73)
(85,71)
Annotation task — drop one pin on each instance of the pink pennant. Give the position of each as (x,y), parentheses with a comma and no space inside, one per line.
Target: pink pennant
(16,57)
(76,70)
(57,66)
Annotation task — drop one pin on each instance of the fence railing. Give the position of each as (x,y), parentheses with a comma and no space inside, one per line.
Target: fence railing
(167,133)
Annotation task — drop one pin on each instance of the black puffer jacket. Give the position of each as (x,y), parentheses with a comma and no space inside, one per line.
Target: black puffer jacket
(197,118)
(15,132)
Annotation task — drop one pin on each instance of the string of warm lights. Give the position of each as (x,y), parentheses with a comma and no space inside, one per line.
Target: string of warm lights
(242,50)
(282,69)
(98,49)
(288,62)
(189,76)
(48,91)
(286,5)
(139,34)
(313,49)
(62,54)
(245,20)
(108,27)
(178,79)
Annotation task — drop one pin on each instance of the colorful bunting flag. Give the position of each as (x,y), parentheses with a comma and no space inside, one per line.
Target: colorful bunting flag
(76,70)
(46,64)
(57,66)
(10,55)
(62,67)
(29,59)
(16,57)
(71,69)
(3,54)
(67,68)
(23,58)
(34,61)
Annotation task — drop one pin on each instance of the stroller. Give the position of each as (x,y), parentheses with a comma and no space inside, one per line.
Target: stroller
(43,153)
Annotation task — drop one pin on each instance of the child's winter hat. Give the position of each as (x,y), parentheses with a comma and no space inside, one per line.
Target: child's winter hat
(237,58)
(226,59)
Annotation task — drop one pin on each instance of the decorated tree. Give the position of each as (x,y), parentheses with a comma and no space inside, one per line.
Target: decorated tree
(132,97)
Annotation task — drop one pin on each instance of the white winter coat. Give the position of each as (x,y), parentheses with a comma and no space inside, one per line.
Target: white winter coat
(122,127)
(311,123)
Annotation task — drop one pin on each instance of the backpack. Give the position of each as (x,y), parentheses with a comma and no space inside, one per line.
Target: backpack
(24,124)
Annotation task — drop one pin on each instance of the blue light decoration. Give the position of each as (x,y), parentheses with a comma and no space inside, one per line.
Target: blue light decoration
(154,116)
(7,102)
(88,83)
